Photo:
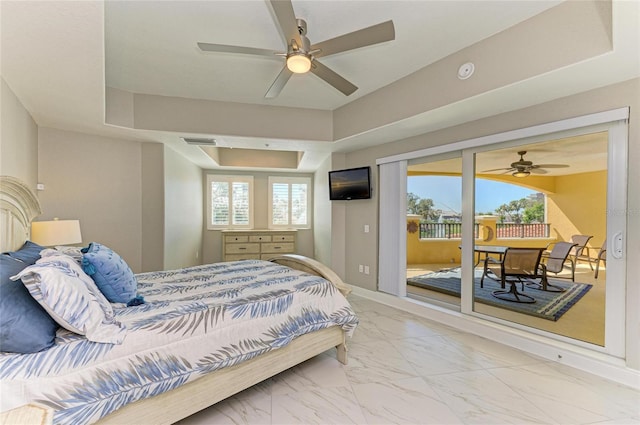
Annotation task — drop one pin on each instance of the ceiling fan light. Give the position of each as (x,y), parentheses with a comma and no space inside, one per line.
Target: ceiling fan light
(521,173)
(298,63)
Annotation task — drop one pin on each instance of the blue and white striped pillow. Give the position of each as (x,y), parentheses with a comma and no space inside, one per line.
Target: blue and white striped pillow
(72,299)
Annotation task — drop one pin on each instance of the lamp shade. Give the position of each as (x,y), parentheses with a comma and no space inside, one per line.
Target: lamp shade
(56,232)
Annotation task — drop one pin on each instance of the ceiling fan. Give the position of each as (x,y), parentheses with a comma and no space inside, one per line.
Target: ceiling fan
(523,168)
(302,56)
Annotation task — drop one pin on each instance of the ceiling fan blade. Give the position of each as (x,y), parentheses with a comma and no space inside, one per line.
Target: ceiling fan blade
(224,48)
(332,78)
(287,23)
(279,83)
(365,37)
(551,166)
(496,169)
(535,170)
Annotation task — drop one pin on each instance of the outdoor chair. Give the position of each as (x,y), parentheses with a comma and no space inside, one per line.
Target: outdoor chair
(602,256)
(518,265)
(554,261)
(581,251)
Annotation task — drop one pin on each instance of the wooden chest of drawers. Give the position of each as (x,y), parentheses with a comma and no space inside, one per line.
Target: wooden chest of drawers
(257,244)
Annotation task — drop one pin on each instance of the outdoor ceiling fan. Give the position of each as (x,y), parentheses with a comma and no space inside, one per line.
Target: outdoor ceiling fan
(302,56)
(523,168)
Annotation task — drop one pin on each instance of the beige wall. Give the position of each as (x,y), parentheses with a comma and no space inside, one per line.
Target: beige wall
(153,211)
(143,200)
(360,248)
(579,206)
(212,239)
(18,139)
(338,223)
(98,181)
(183,209)
(322,214)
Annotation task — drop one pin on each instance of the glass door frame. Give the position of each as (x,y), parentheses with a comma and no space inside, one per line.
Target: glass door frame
(616,225)
(615,122)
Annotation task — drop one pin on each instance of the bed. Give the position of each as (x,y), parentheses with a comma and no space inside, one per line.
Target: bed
(191,344)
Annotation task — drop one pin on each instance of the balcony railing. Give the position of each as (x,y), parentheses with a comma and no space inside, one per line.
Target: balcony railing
(504,230)
(530,230)
(444,230)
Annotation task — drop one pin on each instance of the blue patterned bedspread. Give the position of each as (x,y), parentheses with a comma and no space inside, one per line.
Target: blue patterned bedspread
(194,321)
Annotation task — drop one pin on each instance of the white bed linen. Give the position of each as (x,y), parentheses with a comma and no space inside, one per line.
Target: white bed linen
(194,321)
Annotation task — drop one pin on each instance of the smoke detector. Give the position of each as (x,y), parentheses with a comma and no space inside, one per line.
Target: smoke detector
(466,70)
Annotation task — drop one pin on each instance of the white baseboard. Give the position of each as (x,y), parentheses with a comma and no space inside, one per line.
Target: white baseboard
(597,363)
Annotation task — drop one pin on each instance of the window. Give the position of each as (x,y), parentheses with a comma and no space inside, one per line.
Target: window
(289,199)
(229,202)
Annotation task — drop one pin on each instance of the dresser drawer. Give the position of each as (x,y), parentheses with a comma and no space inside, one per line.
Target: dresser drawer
(283,238)
(242,248)
(238,257)
(232,239)
(267,257)
(260,238)
(276,247)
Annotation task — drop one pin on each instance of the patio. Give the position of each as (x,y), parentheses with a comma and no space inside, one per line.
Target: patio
(583,321)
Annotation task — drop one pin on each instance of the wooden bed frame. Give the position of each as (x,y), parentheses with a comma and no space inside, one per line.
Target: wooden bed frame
(18,207)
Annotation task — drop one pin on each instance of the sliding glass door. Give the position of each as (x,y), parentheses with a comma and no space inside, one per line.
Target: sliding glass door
(434,229)
(545,207)
(545,201)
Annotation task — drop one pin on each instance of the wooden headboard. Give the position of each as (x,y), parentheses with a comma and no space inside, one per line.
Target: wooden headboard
(18,207)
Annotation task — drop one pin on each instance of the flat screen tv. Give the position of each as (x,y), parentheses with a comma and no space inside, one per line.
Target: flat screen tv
(354,183)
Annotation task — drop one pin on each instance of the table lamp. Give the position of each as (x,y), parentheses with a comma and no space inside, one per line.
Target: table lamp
(56,232)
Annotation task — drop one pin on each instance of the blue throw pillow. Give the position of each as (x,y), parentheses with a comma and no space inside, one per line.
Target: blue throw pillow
(25,327)
(29,253)
(112,274)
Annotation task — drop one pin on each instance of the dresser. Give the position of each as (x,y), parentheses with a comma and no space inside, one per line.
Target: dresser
(257,244)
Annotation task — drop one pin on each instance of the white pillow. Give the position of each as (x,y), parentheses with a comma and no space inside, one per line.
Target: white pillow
(72,251)
(72,299)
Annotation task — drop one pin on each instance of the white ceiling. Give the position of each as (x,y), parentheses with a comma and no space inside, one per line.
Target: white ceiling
(58,56)
(143,56)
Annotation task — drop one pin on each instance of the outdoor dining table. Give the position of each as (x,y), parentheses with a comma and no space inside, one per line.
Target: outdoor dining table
(488,249)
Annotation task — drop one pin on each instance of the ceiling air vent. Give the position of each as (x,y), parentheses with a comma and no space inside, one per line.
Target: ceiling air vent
(203,141)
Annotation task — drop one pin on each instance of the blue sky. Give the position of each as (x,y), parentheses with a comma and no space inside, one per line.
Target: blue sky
(446,192)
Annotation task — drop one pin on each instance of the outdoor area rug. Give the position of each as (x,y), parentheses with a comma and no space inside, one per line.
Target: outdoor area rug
(548,305)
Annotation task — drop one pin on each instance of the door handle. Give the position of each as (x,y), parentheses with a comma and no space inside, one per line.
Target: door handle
(618,246)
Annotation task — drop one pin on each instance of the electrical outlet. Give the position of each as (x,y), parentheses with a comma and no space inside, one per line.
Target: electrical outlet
(366,228)
(360,268)
(366,269)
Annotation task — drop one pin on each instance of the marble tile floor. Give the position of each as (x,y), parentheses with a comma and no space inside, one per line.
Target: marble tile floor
(404,369)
